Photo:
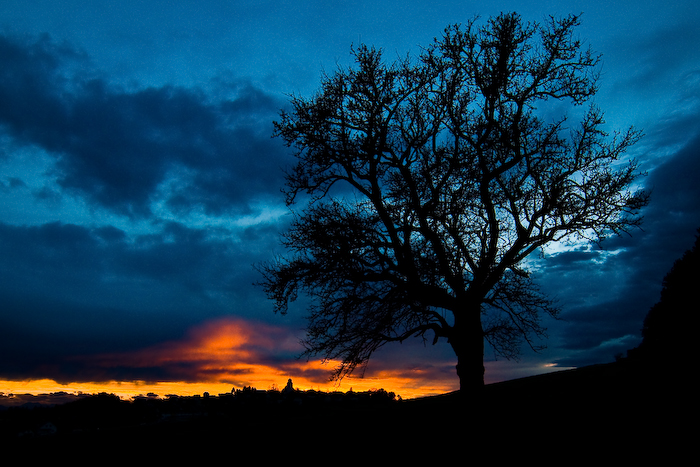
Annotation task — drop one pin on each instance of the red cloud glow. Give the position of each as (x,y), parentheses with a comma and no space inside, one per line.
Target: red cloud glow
(243,353)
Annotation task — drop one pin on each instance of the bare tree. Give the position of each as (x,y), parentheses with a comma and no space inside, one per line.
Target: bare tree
(427,183)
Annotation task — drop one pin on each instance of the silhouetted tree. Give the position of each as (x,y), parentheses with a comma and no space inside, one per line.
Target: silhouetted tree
(426,184)
(666,337)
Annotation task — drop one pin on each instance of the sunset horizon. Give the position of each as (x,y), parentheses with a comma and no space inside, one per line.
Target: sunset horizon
(219,348)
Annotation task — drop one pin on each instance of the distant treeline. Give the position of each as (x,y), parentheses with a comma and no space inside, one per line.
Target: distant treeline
(91,413)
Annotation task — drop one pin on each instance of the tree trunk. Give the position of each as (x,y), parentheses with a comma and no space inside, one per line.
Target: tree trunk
(468,344)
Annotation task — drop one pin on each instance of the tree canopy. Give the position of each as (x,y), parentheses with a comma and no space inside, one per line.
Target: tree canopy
(421,187)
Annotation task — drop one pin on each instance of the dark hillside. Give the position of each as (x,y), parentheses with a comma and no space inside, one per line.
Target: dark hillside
(617,407)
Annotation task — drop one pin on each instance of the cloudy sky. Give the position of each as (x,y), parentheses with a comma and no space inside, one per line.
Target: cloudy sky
(139,183)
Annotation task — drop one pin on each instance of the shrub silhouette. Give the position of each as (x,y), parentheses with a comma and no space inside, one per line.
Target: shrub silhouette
(666,335)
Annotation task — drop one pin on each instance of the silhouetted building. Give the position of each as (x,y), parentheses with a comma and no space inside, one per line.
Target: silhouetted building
(289,388)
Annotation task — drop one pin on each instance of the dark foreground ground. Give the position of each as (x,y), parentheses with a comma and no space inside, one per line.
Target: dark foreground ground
(606,413)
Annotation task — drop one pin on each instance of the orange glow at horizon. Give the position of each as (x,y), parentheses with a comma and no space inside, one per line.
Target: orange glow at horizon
(405,388)
(232,353)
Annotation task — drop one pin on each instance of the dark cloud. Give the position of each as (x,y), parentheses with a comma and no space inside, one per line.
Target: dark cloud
(658,58)
(223,349)
(11,183)
(675,193)
(607,293)
(68,260)
(119,148)
(71,290)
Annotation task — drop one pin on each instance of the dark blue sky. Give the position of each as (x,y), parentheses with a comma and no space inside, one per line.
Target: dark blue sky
(139,181)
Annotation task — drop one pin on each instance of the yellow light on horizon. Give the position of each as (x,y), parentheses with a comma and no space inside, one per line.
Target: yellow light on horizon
(127,390)
(123,389)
